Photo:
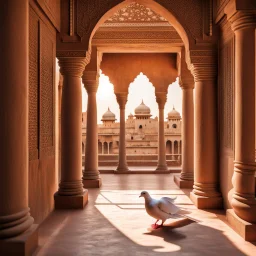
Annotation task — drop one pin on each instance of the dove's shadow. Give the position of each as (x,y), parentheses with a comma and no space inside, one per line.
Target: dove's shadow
(168,231)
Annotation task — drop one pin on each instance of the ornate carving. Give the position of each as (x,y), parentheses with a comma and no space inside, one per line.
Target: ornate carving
(47,82)
(203,64)
(33,85)
(135,13)
(90,12)
(137,34)
(72,66)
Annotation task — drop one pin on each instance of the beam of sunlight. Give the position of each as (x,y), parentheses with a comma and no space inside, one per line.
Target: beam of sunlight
(126,212)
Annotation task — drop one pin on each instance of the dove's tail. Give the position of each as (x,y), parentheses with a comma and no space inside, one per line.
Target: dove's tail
(188,217)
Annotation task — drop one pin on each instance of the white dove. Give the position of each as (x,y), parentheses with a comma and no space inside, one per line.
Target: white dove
(160,209)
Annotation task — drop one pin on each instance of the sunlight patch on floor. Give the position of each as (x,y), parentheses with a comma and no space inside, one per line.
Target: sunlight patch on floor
(125,210)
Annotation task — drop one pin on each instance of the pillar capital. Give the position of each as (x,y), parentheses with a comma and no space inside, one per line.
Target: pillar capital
(72,66)
(242,19)
(186,84)
(241,14)
(91,81)
(161,98)
(121,99)
(203,64)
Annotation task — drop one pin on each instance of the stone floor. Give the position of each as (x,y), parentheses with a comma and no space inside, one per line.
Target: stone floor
(115,223)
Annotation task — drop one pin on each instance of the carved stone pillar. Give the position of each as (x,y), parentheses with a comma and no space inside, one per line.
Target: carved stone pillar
(18,234)
(122,163)
(186,178)
(243,200)
(108,148)
(161,100)
(71,193)
(91,175)
(102,148)
(205,192)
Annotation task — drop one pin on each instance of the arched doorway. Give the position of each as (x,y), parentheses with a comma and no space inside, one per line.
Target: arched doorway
(168,147)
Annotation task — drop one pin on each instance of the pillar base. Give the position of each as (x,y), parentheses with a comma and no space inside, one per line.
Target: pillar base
(92,183)
(245,229)
(24,244)
(122,169)
(162,168)
(202,202)
(71,202)
(183,183)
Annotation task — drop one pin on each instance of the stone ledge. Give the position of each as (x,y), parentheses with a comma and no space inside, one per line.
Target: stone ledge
(202,202)
(92,183)
(71,202)
(245,229)
(24,244)
(183,183)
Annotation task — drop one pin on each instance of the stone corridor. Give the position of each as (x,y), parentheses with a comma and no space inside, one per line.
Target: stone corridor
(115,223)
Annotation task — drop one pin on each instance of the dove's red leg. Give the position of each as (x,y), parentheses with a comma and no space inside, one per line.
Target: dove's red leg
(162,223)
(155,226)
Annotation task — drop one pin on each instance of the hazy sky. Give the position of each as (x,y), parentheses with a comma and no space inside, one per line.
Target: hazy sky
(140,89)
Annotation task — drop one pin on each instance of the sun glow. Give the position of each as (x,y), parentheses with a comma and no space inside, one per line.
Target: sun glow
(105,89)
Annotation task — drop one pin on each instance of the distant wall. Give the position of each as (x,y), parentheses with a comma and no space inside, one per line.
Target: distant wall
(42,107)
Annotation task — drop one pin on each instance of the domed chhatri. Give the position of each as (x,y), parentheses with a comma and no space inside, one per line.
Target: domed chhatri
(142,111)
(108,116)
(174,114)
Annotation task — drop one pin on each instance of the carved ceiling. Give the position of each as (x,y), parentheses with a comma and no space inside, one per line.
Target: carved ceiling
(136,14)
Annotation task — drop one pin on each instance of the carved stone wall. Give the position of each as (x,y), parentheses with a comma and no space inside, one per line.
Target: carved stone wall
(226,92)
(42,171)
(47,82)
(33,86)
(226,85)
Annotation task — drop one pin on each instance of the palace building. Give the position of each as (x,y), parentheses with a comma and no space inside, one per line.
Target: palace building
(54,199)
(141,133)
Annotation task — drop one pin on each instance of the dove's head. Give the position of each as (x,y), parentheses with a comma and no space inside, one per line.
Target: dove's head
(144,194)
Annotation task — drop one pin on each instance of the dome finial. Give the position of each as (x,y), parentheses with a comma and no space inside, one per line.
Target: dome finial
(142,102)
(108,109)
(173,107)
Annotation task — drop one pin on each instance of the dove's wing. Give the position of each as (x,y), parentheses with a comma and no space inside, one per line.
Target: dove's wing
(165,205)
(170,199)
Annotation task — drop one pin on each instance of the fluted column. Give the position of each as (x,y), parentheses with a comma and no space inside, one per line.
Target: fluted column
(91,175)
(15,220)
(161,100)
(186,178)
(108,148)
(122,163)
(243,201)
(205,192)
(71,193)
